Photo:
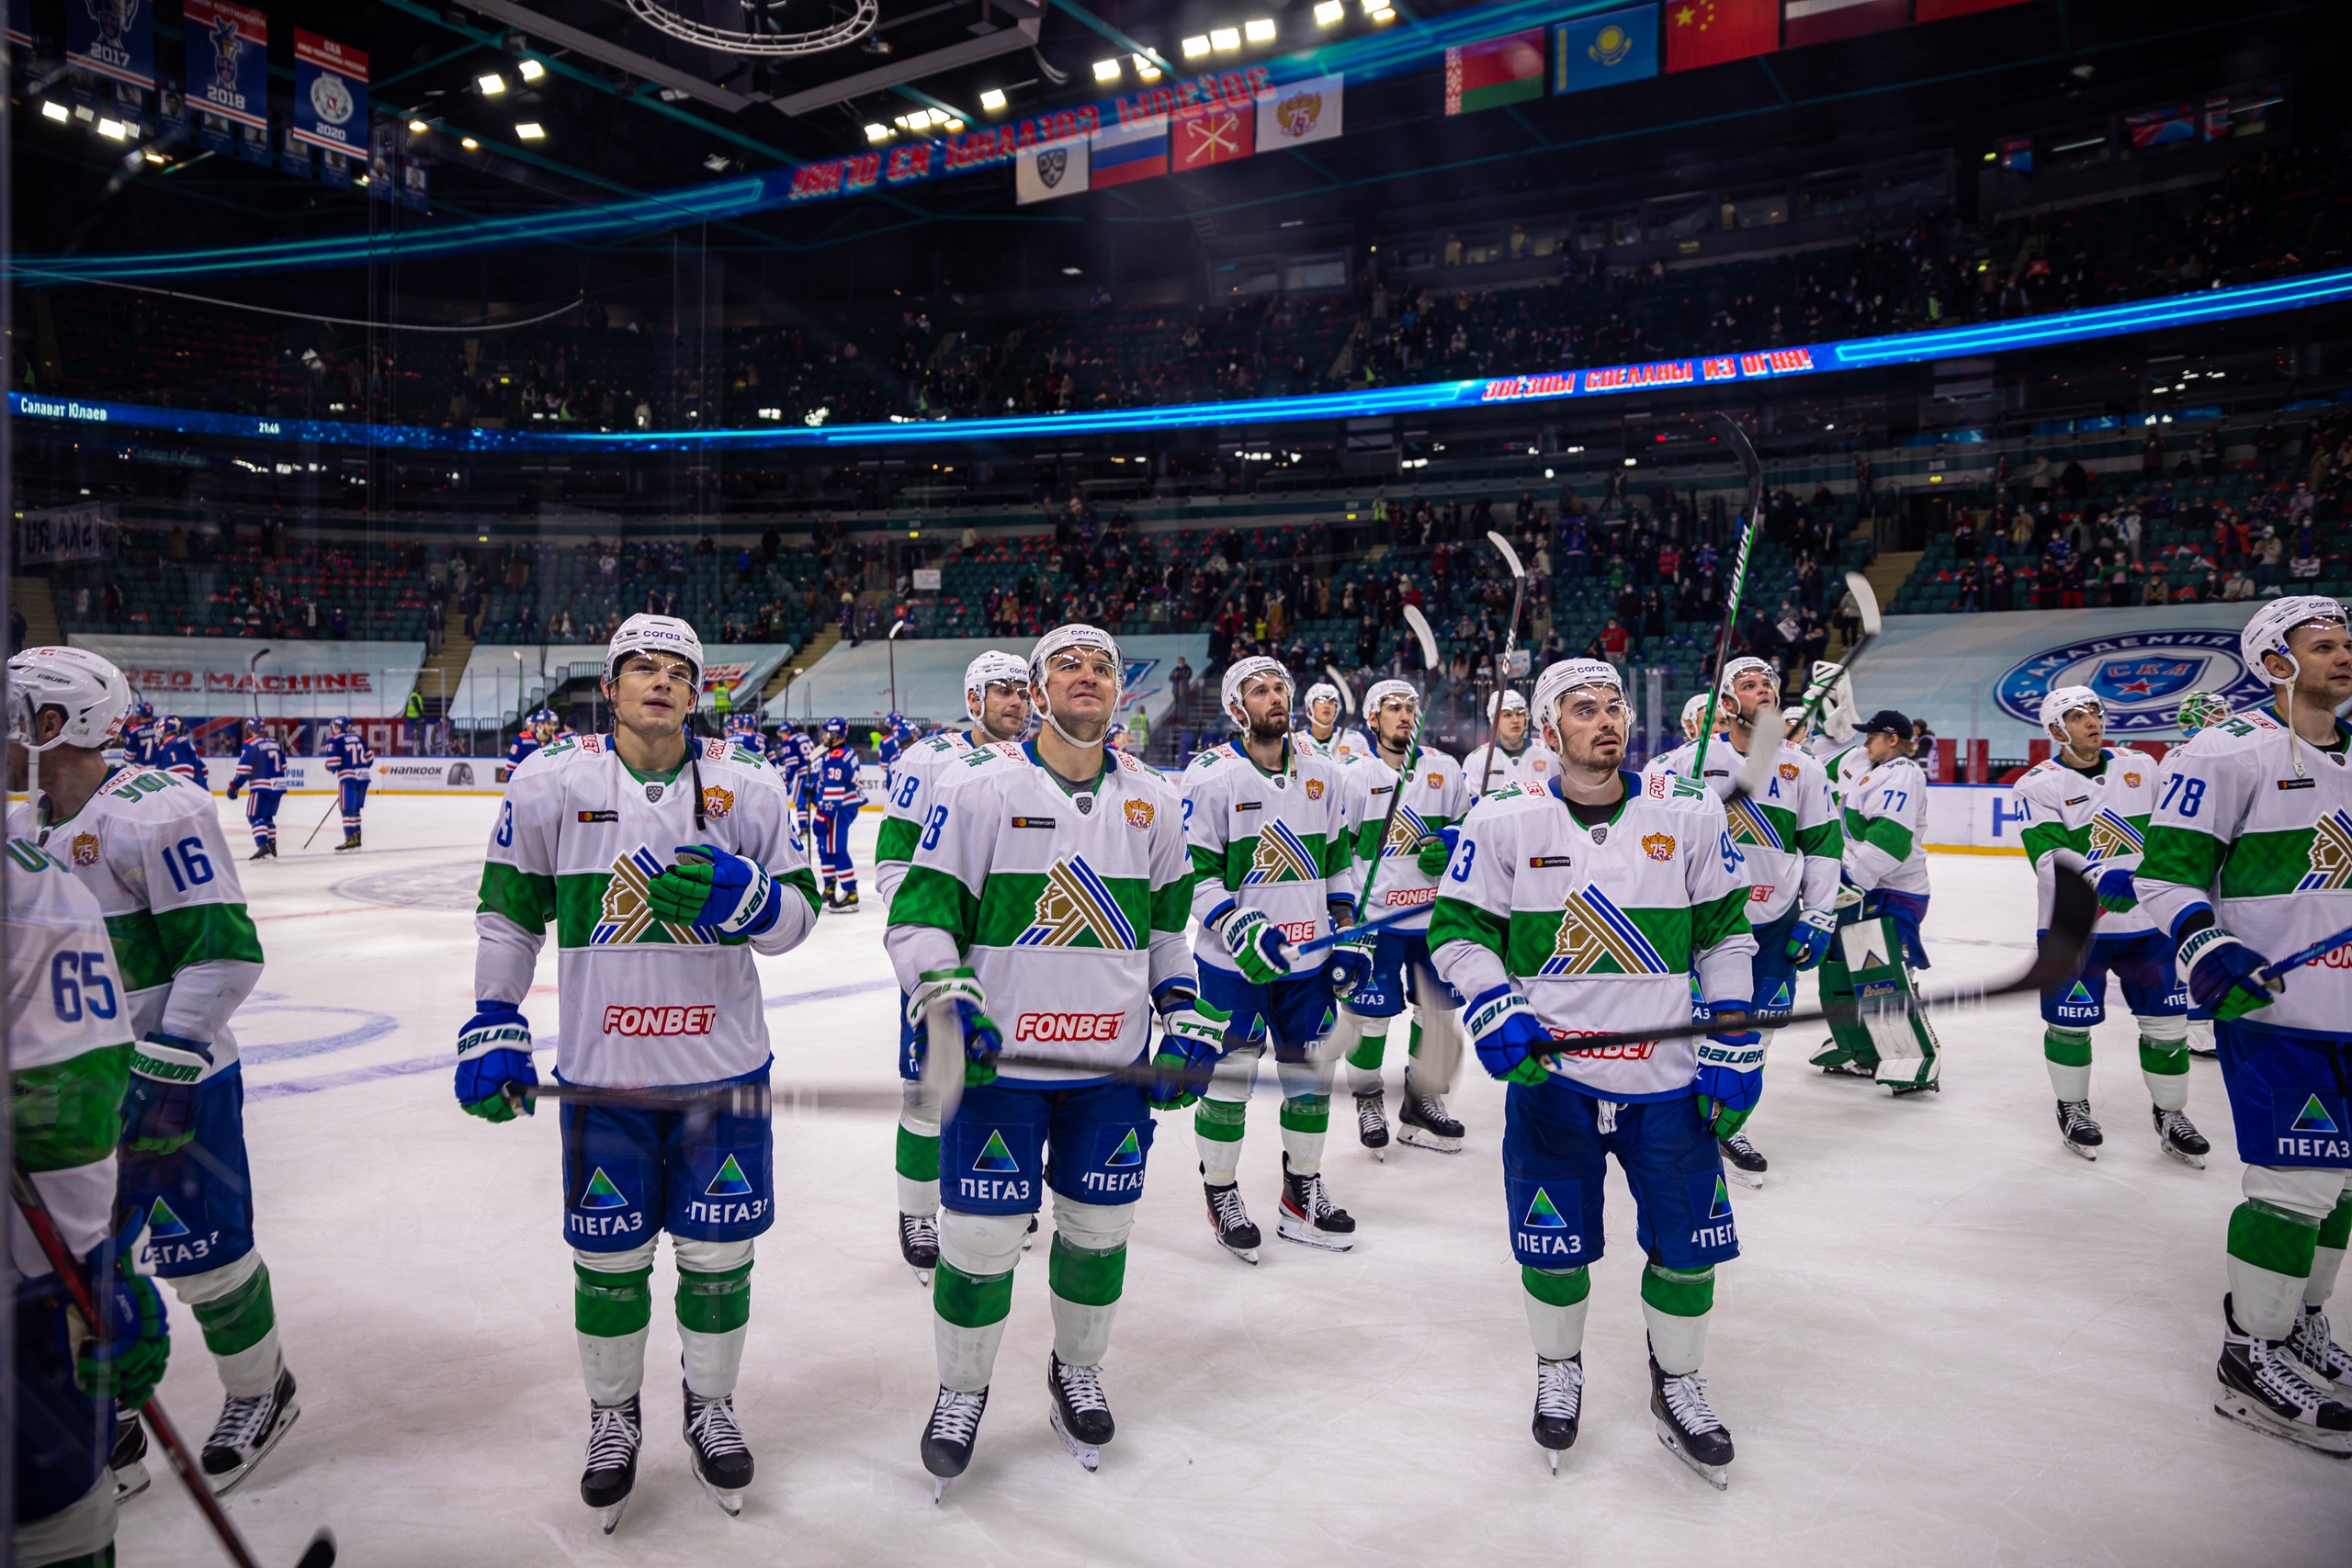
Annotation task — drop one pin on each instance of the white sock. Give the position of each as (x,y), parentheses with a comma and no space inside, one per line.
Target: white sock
(1082,1334)
(1559,1331)
(613,1368)
(1677,1344)
(966,1356)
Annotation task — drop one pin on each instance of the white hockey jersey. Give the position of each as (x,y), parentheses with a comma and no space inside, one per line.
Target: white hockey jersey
(1530,767)
(1886,826)
(1278,843)
(1344,743)
(1434,797)
(919,769)
(149,846)
(2104,819)
(1788,833)
(642,1002)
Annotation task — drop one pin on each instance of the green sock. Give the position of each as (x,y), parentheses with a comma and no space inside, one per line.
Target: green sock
(714,1304)
(970,1301)
(1085,1276)
(238,1321)
(918,1156)
(610,1306)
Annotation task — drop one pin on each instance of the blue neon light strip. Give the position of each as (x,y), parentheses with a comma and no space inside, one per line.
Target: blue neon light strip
(1771,364)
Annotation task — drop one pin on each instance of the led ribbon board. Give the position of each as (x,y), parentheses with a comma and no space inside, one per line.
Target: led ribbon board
(1608,380)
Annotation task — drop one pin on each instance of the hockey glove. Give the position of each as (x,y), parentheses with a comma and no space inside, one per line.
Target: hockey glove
(159,1108)
(2117,893)
(1731,1073)
(122,1356)
(232,789)
(1509,1036)
(2224,975)
(1193,1038)
(1351,962)
(494,1050)
(1808,942)
(709,887)
(1258,948)
(1433,852)
(959,989)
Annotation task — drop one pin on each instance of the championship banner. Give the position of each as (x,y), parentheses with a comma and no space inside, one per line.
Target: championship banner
(114,38)
(1218,134)
(228,60)
(1298,112)
(1049,172)
(330,95)
(1599,51)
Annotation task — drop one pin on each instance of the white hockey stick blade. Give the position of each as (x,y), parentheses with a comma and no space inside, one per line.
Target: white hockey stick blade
(1510,557)
(942,1064)
(1347,693)
(1866,601)
(1420,625)
(1440,1056)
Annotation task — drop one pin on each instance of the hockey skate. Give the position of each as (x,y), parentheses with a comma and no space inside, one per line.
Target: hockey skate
(128,1460)
(1080,1416)
(722,1462)
(1422,1122)
(247,1430)
(350,841)
(919,1245)
(1307,1217)
(1230,1221)
(948,1437)
(1372,1123)
(2315,1347)
(1559,1397)
(263,851)
(2077,1130)
(849,900)
(2178,1137)
(2264,1386)
(1687,1425)
(1743,1161)
(615,1434)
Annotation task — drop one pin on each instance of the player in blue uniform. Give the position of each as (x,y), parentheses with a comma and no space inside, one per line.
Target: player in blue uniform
(174,752)
(140,735)
(896,736)
(537,730)
(348,757)
(838,798)
(261,771)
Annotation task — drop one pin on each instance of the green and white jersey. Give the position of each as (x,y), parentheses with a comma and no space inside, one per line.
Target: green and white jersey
(2237,826)
(1070,905)
(643,1003)
(1788,833)
(1489,768)
(1276,841)
(69,1048)
(2102,815)
(149,846)
(911,784)
(1434,796)
(1600,927)
(1886,826)
(1840,763)
(1344,744)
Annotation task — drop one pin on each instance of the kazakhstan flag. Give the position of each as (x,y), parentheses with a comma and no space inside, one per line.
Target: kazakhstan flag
(1594,51)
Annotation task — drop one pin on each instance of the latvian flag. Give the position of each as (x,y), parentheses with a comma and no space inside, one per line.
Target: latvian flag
(1507,70)
(1136,152)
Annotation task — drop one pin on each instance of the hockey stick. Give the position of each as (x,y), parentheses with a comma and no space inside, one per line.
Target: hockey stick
(1754,469)
(1510,645)
(320,1553)
(2276,976)
(723,1099)
(1759,765)
(333,806)
(1420,626)
(1347,693)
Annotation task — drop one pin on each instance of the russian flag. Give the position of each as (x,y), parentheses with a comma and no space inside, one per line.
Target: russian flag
(1136,152)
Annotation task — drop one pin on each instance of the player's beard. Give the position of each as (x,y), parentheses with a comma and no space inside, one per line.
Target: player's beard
(1272,728)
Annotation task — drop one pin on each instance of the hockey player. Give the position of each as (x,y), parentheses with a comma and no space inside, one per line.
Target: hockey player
(1788,834)
(896,736)
(2091,800)
(1513,757)
(174,755)
(2250,861)
(349,758)
(1579,907)
(2199,710)
(1882,898)
(838,798)
(664,862)
(539,729)
(149,849)
(1268,831)
(261,769)
(140,734)
(1322,733)
(1051,888)
(791,756)
(67,1047)
(1402,803)
(996,698)
(1694,713)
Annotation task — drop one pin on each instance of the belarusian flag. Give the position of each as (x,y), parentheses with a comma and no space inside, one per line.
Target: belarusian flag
(1505,70)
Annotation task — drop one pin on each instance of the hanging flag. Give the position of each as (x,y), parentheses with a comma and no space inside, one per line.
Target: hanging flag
(1937,10)
(1041,174)
(114,38)
(1709,32)
(1505,70)
(1217,133)
(1298,112)
(228,60)
(1826,21)
(1124,153)
(413,184)
(329,94)
(1594,51)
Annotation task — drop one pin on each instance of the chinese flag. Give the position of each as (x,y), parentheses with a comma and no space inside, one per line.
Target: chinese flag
(1709,32)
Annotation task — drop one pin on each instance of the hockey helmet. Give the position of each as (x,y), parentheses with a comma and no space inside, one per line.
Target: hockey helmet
(2273,623)
(1694,713)
(1063,639)
(89,690)
(2200,710)
(2065,700)
(655,634)
(172,725)
(1238,676)
(1378,695)
(1569,675)
(1506,700)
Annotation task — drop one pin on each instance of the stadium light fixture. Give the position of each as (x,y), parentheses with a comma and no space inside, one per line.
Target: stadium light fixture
(418,127)
(992,99)
(155,157)
(113,130)
(955,126)
(1144,70)
(529,130)
(530,70)
(469,144)
(1331,13)
(1260,31)
(1069,272)
(1386,14)
(56,111)
(1224,40)
(877,133)
(1195,47)
(1106,71)
(490,82)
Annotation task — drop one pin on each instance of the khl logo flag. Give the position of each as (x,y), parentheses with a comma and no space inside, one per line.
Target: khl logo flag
(1041,174)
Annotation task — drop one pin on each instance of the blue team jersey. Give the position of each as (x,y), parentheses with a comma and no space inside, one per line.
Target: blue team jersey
(261,766)
(140,739)
(175,755)
(348,753)
(837,784)
(524,744)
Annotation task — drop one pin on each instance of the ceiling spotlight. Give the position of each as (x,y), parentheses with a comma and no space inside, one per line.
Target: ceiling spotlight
(1069,272)
(1331,13)
(1106,71)
(55,111)
(992,99)
(1386,14)
(1195,47)
(1374,7)
(530,70)
(1259,31)
(490,82)
(418,127)
(1145,69)
(529,130)
(469,144)
(1222,38)
(715,164)
(955,126)
(877,133)
(113,130)
(155,157)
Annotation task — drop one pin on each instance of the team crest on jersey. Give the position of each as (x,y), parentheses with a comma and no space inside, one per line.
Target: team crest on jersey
(1659,846)
(627,917)
(1315,789)
(1748,826)
(1278,857)
(2112,834)
(652,795)
(717,802)
(2331,855)
(1435,780)
(1789,773)
(1076,906)
(1596,938)
(1406,830)
(2130,780)
(85,850)
(1140,814)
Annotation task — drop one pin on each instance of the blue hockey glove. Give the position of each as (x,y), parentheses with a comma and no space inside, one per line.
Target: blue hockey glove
(159,1108)
(1511,1041)
(1432,853)
(1352,965)
(1191,1041)
(1731,1073)
(2116,891)
(1808,942)
(1258,948)
(707,887)
(2223,975)
(493,1050)
(959,987)
(124,1356)
(233,788)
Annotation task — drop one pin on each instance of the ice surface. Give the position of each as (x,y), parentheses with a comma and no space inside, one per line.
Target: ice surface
(1948,1341)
